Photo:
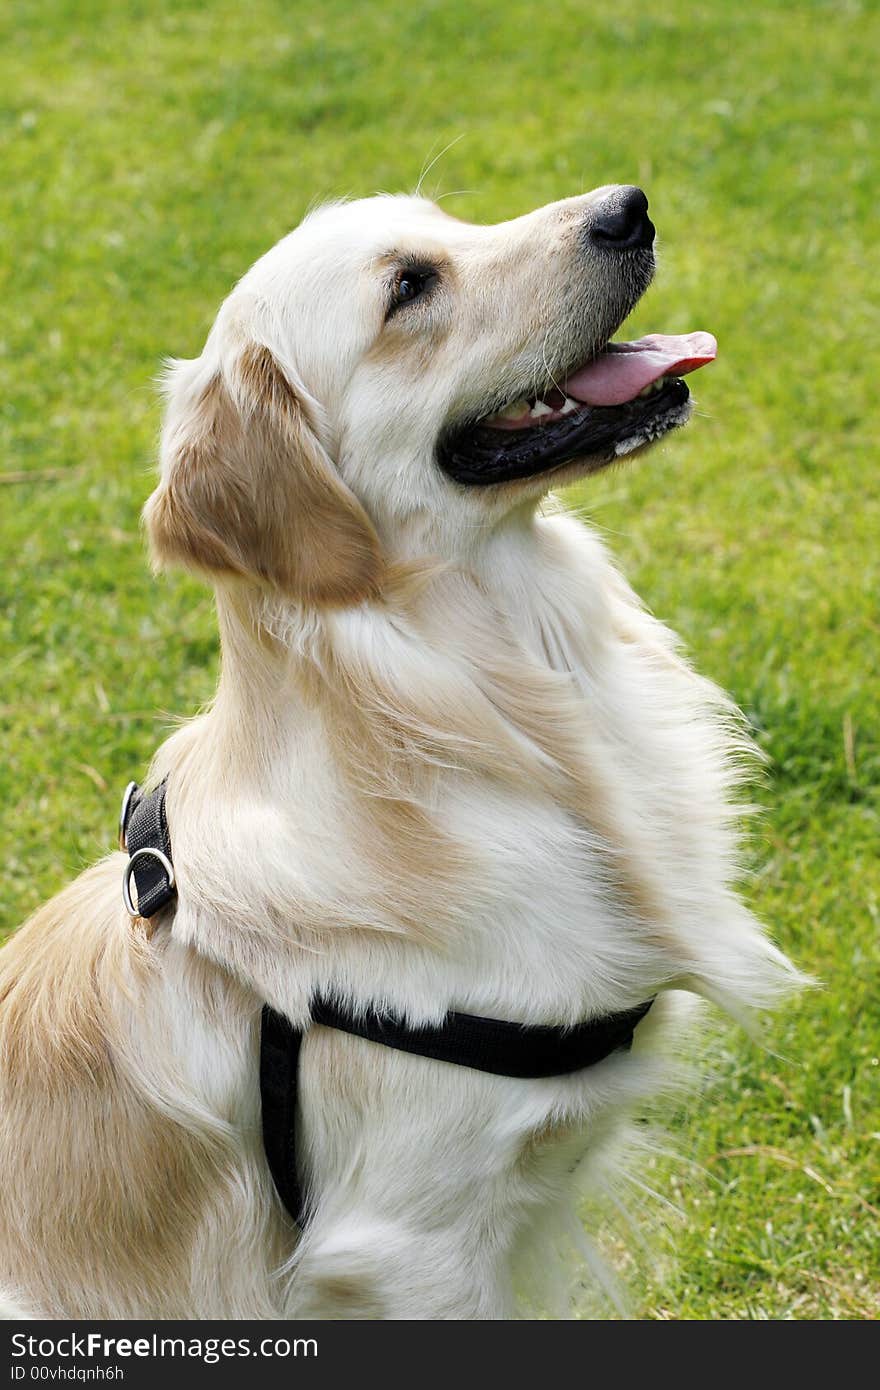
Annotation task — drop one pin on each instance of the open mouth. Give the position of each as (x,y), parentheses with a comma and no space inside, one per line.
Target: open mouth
(627,397)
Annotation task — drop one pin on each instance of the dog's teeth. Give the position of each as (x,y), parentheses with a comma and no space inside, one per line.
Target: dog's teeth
(540,408)
(515,409)
(653,386)
(569,406)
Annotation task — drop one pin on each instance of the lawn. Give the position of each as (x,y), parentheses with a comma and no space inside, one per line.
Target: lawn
(151,151)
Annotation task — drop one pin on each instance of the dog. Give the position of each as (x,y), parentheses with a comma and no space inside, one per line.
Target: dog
(452,765)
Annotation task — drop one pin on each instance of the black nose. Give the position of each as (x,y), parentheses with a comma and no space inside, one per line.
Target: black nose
(622,220)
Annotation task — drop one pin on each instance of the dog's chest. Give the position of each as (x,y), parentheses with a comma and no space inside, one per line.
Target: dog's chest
(511,907)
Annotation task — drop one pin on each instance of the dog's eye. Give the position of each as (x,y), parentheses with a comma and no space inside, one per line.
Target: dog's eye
(411,285)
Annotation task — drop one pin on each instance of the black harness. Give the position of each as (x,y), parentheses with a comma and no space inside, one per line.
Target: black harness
(465,1040)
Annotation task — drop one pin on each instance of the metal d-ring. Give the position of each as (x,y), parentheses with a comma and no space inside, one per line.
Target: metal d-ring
(126,877)
(123,813)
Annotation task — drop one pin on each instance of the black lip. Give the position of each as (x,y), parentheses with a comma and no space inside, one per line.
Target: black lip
(477,455)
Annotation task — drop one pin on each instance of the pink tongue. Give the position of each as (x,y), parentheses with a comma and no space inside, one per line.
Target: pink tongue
(619,374)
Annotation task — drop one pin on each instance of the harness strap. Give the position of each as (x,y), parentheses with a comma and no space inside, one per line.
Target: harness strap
(464,1040)
(491,1044)
(280,1043)
(143,831)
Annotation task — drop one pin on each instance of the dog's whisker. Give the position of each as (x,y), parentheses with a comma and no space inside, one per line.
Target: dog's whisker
(426,169)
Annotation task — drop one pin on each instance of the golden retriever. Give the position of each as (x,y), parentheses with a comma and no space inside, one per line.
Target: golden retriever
(451,764)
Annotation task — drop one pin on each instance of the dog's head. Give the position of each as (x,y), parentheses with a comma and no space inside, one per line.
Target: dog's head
(389,378)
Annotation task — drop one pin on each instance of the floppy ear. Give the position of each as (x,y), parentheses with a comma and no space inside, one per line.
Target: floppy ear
(248,490)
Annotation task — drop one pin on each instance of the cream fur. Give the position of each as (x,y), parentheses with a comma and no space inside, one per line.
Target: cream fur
(451,763)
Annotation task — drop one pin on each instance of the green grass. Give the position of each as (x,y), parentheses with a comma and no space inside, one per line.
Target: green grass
(151,151)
